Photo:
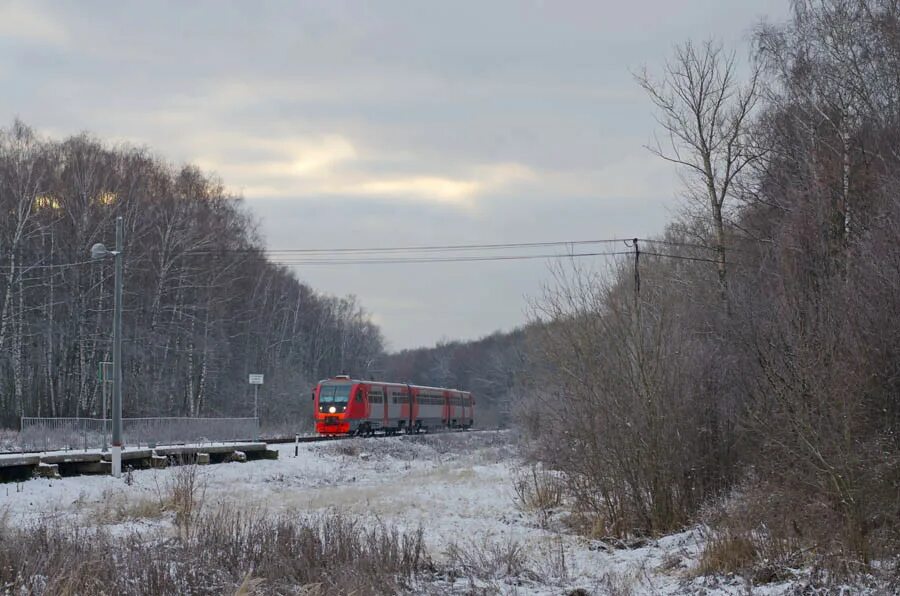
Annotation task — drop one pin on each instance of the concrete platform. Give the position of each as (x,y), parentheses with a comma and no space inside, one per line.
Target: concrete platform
(19,467)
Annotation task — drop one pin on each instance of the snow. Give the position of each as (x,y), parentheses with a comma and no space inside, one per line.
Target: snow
(457,487)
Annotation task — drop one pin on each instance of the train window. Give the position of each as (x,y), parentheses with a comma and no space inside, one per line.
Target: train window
(335,394)
(375,395)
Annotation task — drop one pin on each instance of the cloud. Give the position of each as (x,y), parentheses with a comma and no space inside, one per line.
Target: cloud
(334,165)
(484,180)
(425,187)
(23,22)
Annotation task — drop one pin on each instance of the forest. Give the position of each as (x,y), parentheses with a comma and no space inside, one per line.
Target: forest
(203,307)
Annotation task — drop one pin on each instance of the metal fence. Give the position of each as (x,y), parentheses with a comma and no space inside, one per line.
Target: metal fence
(47,434)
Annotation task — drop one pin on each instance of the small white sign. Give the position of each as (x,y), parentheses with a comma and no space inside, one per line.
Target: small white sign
(256,379)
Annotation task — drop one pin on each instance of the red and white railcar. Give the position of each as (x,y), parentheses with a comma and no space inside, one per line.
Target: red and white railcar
(347,406)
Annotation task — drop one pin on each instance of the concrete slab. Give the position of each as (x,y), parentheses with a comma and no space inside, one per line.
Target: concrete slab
(19,466)
(13,460)
(66,458)
(131,454)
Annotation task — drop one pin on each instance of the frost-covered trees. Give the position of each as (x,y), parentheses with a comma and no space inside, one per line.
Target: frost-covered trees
(656,402)
(203,306)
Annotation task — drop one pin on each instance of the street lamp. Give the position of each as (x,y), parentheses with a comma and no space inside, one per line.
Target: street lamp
(99,251)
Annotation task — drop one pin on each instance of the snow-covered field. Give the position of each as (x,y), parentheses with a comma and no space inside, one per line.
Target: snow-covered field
(457,487)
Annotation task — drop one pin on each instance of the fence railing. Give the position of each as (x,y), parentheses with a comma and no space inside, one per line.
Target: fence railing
(47,434)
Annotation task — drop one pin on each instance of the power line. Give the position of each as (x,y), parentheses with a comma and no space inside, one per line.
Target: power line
(425,248)
(452,259)
(407,254)
(372,250)
(680,244)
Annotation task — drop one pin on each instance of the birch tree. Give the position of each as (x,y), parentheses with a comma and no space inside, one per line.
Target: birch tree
(705,113)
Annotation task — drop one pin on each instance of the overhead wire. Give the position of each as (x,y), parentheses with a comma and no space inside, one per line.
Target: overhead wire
(422,248)
(424,254)
(451,259)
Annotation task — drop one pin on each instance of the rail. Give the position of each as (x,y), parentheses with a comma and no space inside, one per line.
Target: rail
(268,440)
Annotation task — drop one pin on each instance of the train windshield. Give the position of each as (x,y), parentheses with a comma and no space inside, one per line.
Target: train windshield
(337,395)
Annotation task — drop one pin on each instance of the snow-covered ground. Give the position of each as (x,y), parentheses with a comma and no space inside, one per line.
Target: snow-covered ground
(457,487)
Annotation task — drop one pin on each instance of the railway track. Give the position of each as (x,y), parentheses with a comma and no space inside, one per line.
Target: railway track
(269,440)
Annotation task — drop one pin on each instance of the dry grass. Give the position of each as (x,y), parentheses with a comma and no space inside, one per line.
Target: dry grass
(117,508)
(186,490)
(183,495)
(488,560)
(537,489)
(764,533)
(618,584)
(227,552)
(727,553)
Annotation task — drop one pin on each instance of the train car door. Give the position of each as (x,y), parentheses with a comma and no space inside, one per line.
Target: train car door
(445,408)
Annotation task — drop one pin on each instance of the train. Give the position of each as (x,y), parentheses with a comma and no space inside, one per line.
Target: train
(346,406)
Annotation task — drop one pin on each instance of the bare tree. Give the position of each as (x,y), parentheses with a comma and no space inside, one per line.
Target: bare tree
(706,113)
(203,305)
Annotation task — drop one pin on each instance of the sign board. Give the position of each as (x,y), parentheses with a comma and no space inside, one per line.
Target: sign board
(256,379)
(105,372)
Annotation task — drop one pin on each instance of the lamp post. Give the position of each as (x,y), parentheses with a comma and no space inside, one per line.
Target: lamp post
(99,251)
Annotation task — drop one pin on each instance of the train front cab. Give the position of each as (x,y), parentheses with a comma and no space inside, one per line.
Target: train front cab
(337,402)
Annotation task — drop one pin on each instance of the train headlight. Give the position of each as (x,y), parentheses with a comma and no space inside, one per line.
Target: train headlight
(332,410)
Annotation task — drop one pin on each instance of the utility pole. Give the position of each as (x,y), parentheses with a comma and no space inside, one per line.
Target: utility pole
(637,271)
(99,251)
(117,357)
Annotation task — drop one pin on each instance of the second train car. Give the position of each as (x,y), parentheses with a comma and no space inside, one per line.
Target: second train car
(345,406)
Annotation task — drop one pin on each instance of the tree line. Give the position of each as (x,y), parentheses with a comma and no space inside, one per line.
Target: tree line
(491,368)
(203,307)
(750,377)
(743,369)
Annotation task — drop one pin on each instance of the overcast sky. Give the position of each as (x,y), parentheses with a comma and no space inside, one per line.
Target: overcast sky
(374,124)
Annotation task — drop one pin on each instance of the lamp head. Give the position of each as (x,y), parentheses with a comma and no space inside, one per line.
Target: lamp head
(98,251)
